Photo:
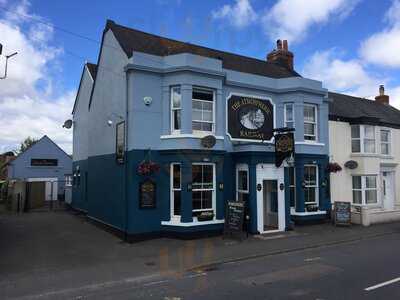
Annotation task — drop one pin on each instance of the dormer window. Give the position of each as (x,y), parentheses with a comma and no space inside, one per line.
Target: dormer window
(202,110)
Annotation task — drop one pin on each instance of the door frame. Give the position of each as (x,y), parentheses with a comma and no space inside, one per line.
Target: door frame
(270,172)
(391,175)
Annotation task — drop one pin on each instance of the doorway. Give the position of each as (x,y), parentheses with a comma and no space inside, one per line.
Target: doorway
(387,190)
(270,199)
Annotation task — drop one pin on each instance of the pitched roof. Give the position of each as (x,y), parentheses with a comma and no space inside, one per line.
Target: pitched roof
(359,110)
(92,69)
(135,40)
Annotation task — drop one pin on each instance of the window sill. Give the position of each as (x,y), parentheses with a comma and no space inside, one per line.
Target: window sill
(371,155)
(187,135)
(190,224)
(306,213)
(310,143)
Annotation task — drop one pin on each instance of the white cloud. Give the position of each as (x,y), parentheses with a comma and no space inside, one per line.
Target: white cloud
(348,76)
(382,48)
(240,15)
(291,19)
(28,105)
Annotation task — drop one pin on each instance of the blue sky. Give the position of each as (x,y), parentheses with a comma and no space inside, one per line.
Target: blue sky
(351,45)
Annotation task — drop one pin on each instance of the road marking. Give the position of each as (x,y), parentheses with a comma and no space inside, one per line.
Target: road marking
(312,259)
(377,286)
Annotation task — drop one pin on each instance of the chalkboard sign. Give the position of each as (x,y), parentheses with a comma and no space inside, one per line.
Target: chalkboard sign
(342,213)
(147,194)
(234,217)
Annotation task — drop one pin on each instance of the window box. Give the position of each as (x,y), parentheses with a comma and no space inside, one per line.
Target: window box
(205,216)
(311,208)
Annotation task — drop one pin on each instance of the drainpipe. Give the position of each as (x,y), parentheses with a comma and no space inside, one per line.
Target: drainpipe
(126,153)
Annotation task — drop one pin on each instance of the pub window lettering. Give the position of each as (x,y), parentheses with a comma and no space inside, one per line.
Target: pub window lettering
(120,142)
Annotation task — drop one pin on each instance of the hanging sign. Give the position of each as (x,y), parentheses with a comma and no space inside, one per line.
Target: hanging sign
(250,118)
(284,147)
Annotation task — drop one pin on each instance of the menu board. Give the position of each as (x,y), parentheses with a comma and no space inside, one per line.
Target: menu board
(234,217)
(147,194)
(342,213)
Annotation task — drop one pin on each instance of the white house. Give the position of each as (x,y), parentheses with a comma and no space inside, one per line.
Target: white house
(364,139)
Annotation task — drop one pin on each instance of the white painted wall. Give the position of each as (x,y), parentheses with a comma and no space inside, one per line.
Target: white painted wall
(340,152)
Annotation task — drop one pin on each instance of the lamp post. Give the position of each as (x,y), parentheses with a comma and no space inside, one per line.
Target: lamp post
(7,57)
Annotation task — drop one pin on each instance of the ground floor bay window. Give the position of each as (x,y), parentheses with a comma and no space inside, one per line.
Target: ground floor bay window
(365,190)
(203,189)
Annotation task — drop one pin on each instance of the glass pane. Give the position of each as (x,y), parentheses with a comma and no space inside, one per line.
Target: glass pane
(356,182)
(309,113)
(289,124)
(197,114)
(369,146)
(177,203)
(384,135)
(196,125)
(291,176)
(207,199)
(370,182)
(357,197)
(176,97)
(289,112)
(197,105)
(177,119)
(385,149)
(355,131)
(196,200)
(206,126)
(208,116)
(208,106)
(292,196)
(310,175)
(242,180)
(369,132)
(355,146)
(176,176)
(202,94)
(309,138)
(309,128)
(196,174)
(309,194)
(208,174)
(370,196)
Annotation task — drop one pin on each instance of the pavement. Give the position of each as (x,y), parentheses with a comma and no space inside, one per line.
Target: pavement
(57,255)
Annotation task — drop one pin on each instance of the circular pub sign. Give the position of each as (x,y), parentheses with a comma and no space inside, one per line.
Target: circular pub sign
(250,118)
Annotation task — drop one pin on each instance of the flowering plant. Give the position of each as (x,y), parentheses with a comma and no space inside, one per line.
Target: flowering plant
(333,167)
(147,168)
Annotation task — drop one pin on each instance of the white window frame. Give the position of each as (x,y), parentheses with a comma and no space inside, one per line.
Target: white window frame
(316,186)
(241,167)
(201,132)
(68,180)
(213,202)
(285,115)
(363,190)
(314,123)
(172,190)
(293,185)
(362,139)
(173,109)
(389,142)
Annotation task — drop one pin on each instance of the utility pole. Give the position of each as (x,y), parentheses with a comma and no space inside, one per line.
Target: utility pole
(7,57)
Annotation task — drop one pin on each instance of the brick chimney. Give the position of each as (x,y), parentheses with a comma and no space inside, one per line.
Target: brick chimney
(281,55)
(382,98)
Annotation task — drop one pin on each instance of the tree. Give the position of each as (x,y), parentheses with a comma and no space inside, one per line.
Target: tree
(27,143)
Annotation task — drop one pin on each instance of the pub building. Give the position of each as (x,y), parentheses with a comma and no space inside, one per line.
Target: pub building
(166,133)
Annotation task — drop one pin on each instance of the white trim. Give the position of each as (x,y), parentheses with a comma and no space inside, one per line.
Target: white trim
(241,167)
(172,109)
(52,179)
(250,96)
(363,190)
(389,142)
(285,121)
(270,172)
(214,189)
(310,143)
(315,123)
(214,122)
(189,224)
(188,135)
(316,186)
(293,212)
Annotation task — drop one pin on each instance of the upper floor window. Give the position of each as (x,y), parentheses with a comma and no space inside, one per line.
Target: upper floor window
(385,142)
(362,139)
(310,122)
(202,110)
(289,115)
(176,109)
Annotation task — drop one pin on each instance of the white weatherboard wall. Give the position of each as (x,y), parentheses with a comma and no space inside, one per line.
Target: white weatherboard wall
(368,164)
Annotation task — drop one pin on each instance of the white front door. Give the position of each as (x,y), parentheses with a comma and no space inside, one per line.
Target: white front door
(387,190)
(270,198)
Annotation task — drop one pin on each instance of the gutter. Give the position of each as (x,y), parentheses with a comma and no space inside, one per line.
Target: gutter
(126,154)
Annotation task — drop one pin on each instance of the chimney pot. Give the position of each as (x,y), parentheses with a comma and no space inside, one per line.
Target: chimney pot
(285,45)
(281,55)
(381,90)
(279,45)
(382,98)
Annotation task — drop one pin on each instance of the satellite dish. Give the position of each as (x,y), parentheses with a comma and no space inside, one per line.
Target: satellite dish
(67,124)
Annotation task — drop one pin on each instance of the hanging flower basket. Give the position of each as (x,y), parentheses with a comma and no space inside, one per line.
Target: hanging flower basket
(148,168)
(333,167)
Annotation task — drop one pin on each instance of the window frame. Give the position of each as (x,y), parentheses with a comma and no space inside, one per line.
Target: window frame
(285,115)
(292,186)
(213,200)
(68,180)
(315,123)
(173,109)
(364,189)
(173,189)
(362,138)
(316,186)
(242,167)
(195,131)
(388,143)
